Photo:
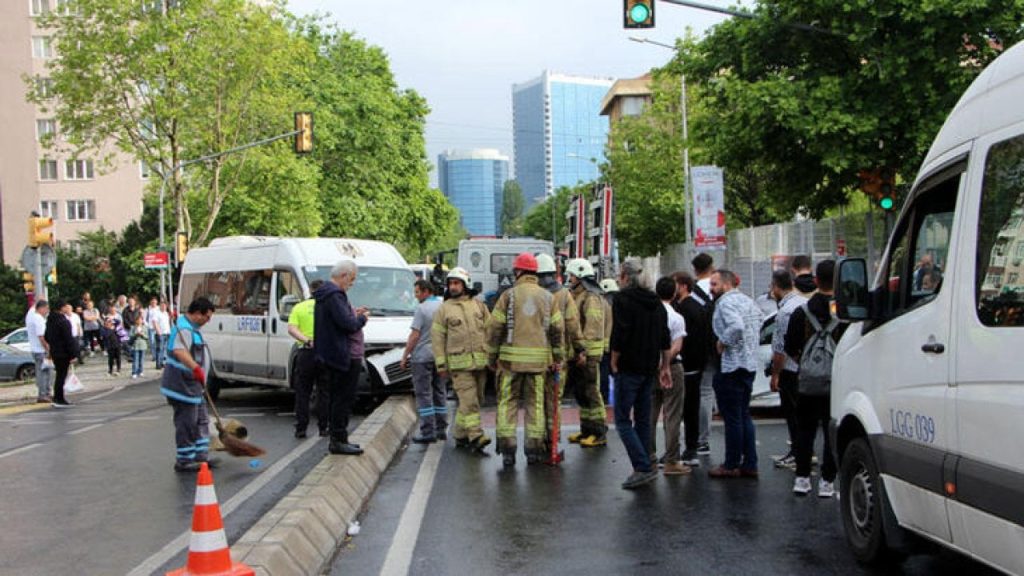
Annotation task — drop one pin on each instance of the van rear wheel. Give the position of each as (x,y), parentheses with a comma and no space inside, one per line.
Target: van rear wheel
(861,502)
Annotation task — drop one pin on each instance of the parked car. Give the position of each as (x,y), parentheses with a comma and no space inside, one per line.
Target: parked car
(762,395)
(17,339)
(16,364)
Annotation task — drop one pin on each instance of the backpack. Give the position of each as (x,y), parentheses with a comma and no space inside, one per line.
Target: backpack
(815,377)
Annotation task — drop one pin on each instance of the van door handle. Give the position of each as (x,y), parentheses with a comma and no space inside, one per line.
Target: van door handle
(933,347)
(263,326)
(273,325)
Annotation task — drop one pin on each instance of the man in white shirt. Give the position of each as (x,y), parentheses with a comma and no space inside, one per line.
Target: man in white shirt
(160,325)
(148,318)
(76,330)
(668,397)
(35,325)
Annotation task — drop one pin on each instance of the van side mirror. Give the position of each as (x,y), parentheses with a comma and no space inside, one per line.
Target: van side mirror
(853,301)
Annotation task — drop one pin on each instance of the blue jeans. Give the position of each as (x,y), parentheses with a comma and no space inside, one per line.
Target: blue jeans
(160,352)
(633,394)
(732,392)
(137,361)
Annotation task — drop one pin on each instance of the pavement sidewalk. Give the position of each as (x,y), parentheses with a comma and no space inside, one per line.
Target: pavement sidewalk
(93,375)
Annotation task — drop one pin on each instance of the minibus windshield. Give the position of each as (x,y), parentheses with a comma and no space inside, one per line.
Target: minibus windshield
(385,291)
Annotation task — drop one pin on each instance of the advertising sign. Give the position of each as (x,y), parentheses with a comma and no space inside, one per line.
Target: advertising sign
(708,186)
(155,260)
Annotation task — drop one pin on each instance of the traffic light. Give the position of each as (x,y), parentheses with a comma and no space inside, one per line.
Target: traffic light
(180,247)
(38,234)
(304,135)
(880,185)
(638,13)
(51,278)
(29,282)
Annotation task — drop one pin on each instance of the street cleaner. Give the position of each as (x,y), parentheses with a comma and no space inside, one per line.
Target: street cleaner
(524,342)
(183,381)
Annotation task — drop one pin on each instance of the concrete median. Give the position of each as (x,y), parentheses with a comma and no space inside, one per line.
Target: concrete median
(301,533)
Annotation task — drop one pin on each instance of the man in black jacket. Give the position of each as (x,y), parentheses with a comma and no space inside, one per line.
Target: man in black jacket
(334,323)
(640,355)
(696,347)
(63,348)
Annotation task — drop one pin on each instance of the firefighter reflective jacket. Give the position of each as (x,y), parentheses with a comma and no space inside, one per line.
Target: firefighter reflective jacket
(457,335)
(572,336)
(594,323)
(525,330)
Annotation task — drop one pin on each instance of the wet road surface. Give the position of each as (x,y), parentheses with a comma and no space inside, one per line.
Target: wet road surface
(576,519)
(91,490)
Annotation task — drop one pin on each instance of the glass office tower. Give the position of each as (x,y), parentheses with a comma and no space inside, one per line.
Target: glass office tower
(558,132)
(473,182)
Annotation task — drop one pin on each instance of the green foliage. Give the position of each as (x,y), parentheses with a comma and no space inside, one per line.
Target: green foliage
(13,303)
(512,206)
(793,115)
(539,219)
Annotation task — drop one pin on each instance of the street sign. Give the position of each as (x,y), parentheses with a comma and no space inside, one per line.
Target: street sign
(156,260)
(707,183)
(29,258)
(47,257)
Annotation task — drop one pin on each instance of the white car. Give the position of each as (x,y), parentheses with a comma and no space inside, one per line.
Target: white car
(762,395)
(17,339)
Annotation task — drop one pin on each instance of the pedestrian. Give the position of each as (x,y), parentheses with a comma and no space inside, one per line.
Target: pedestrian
(695,355)
(803,276)
(784,369)
(610,288)
(161,325)
(112,343)
(810,322)
(35,328)
(333,326)
(640,345)
(587,366)
(149,314)
(183,382)
(129,312)
(524,339)
(573,346)
(669,396)
(120,303)
(737,325)
(430,388)
(139,343)
(63,348)
(75,317)
(306,377)
(458,339)
(703,267)
(91,326)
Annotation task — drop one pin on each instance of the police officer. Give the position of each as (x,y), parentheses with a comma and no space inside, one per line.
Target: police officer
(457,339)
(593,314)
(183,380)
(524,340)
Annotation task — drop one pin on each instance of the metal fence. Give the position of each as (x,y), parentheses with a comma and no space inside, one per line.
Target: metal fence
(754,252)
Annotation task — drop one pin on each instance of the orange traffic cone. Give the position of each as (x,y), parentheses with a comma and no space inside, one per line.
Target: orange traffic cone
(208,553)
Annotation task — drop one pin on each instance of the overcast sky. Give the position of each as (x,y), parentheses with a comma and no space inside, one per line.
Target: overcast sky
(464,55)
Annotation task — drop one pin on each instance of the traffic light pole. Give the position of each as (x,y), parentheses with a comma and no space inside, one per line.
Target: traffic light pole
(40,280)
(741,14)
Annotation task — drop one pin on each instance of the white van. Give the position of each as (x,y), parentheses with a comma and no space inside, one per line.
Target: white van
(928,386)
(255,281)
(489,260)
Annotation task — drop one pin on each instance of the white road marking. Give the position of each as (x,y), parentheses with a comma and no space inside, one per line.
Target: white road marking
(138,418)
(153,563)
(84,430)
(85,420)
(20,450)
(113,390)
(403,543)
(243,414)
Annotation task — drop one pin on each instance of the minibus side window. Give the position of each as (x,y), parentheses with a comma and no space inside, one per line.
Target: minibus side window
(289,293)
(254,297)
(999,262)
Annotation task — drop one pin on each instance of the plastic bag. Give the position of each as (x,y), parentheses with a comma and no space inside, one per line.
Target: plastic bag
(73,383)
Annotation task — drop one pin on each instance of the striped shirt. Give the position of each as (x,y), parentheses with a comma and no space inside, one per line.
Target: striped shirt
(737,323)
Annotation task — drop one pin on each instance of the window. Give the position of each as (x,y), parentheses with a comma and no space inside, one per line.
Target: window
(78,170)
(44,87)
(289,293)
(47,169)
(42,47)
(39,7)
(143,170)
(1002,198)
(81,210)
(45,127)
(64,8)
(48,208)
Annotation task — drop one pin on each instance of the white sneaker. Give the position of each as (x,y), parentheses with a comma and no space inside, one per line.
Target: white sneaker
(802,485)
(825,489)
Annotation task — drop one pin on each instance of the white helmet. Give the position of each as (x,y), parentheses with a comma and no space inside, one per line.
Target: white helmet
(609,285)
(545,264)
(580,268)
(458,273)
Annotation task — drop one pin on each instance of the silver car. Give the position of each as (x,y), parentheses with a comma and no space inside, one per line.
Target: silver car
(16,364)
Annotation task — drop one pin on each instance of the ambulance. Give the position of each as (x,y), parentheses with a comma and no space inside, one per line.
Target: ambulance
(928,382)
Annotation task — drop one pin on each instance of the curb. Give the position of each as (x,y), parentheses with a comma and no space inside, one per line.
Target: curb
(301,533)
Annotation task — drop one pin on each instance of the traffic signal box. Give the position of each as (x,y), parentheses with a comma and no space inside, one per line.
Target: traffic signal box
(304,129)
(880,185)
(29,282)
(38,235)
(638,14)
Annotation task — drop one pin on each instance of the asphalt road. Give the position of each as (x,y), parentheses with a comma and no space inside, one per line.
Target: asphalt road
(472,517)
(92,490)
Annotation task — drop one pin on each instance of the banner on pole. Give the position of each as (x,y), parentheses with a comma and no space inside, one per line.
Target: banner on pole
(606,224)
(156,260)
(708,185)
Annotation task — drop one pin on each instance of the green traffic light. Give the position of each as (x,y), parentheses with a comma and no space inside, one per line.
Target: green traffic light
(639,13)
(886,203)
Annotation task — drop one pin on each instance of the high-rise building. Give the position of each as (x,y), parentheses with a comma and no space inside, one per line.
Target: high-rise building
(473,182)
(558,131)
(71,190)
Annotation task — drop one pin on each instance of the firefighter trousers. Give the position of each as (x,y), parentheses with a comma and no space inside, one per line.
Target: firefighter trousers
(469,387)
(587,382)
(513,386)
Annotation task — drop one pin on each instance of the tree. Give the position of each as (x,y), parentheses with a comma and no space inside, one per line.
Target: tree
(13,303)
(171,80)
(797,114)
(512,206)
(540,219)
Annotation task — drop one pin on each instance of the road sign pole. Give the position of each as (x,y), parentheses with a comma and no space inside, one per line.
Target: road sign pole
(39,278)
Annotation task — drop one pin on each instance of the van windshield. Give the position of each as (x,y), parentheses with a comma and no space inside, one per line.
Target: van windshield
(385,291)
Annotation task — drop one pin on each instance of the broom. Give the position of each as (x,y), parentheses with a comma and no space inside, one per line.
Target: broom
(232,444)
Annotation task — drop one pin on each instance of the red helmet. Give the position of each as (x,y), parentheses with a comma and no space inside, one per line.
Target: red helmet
(526,262)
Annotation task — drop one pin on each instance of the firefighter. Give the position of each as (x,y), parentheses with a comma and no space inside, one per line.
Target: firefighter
(595,324)
(572,338)
(457,339)
(524,340)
